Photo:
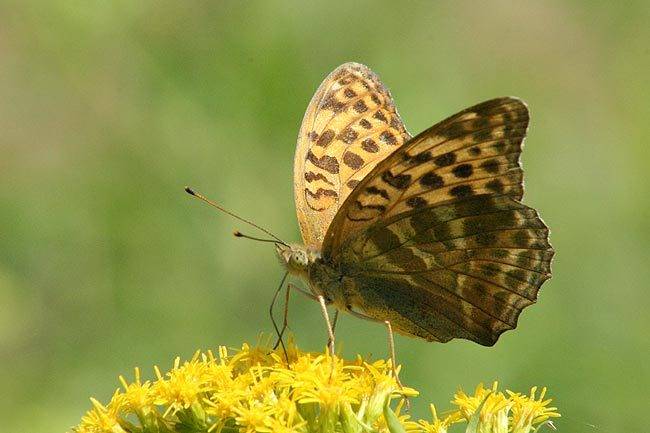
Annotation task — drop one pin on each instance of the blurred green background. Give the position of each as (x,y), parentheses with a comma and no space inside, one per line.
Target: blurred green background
(107,109)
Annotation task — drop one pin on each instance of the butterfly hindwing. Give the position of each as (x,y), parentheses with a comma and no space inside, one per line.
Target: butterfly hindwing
(350,125)
(435,238)
(458,270)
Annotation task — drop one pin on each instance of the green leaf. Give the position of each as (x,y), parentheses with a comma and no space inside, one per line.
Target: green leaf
(394,426)
(309,412)
(472,425)
(191,420)
(348,419)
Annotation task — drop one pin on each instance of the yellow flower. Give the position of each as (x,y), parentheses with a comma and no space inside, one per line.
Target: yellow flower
(495,406)
(138,397)
(184,384)
(437,425)
(102,419)
(528,410)
(253,416)
(499,413)
(255,389)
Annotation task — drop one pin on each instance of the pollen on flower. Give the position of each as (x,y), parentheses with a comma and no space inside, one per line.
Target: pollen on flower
(256,389)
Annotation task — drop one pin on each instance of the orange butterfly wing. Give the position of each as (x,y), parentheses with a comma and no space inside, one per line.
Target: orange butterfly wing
(350,125)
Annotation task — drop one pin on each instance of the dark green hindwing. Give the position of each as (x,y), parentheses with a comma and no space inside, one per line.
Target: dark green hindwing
(435,238)
(464,269)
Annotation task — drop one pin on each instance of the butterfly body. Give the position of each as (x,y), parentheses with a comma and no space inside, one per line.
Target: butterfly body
(426,232)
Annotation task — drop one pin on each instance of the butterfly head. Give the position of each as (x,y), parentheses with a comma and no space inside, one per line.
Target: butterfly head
(296,258)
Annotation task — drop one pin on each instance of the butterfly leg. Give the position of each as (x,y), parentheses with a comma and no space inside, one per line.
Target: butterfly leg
(285,322)
(332,326)
(285,316)
(391,339)
(391,348)
(330,332)
(303,291)
(393,361)
(275,325)
(334,322)
(310,296)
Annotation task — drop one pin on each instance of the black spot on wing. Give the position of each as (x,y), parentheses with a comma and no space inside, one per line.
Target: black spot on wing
(379,115)
(491,166)
(495,185)
(416,202)
(431,180)
(352,160)
(320,192)
(388,137)
(372,190)
(326,162)
(445,159)
(360,107)
(310,176)
(422,157)
(463,170)
(352,183)
(400,181)
(461,191)
(325,138)
(369,145)
(348,135)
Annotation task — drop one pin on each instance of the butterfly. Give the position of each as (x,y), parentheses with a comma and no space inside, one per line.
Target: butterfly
(425,233)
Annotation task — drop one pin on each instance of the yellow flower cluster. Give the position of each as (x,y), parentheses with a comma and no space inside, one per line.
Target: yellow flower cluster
(503,413)
(255,389)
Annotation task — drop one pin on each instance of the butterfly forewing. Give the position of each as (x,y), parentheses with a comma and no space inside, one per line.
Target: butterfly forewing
(350,125)
(435,238)
(473,152)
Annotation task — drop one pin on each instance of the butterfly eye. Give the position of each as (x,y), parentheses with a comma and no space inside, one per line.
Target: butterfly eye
(299,258)
(328,300)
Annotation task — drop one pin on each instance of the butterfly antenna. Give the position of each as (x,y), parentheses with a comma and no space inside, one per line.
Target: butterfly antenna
(239,234)
(201,197)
